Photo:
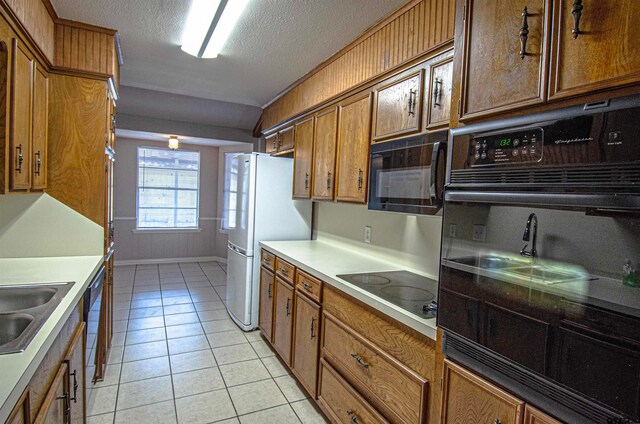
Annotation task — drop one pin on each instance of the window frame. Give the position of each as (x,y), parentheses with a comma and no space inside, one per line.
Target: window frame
(174,229)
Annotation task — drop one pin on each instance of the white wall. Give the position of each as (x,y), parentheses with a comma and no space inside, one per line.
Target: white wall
(130,245)
(413,240)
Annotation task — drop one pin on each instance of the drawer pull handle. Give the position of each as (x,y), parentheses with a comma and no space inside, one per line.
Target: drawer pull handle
(576,11)
(75,386)
(313,321)
(359,360)
(354,417)
(20,159)
(497,421)
(288,306)
(270,290)
(266,260)
(284,271)
(524,33)
(66,406)
(38,162)
(306,285)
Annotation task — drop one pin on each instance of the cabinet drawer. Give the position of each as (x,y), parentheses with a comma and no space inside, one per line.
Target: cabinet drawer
(285,270)
(386,383)
(341,402)
(308,284)
(268,260)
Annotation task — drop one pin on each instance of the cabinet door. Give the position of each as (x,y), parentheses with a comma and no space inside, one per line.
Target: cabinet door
(21,411)
(271,143)
(75,363)
(283,319)
(354,139)
(285,141)
(20,130)
(399,107)
(439,102)
(40,127)
(55,408)
(496,76)
(600,369)
(602,52)
(265,313)
(302,157)
(466,398)
(460,315)
(305,342)
(324,154)
(533,416)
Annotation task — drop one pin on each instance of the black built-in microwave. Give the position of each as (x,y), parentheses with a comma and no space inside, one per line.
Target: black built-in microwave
(407,175)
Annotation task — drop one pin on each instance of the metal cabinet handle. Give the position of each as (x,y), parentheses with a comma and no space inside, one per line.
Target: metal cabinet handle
(360,179)
(288,306)
(437,92)
(412,102)
(354,417)
(497,421)
(38,162)
(306,285)
(359,360)
(265,260)
(270,290)
(284,271)
(67,407)
(328,180)
(313,321)
(306,181)
(279,141)
(576,11)
(20,159)
(275,142)
(524,33)
(75,386)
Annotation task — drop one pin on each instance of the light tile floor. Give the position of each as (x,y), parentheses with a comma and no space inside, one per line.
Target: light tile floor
(177,357)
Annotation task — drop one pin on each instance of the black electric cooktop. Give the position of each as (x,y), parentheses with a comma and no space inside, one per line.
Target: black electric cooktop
(409,291)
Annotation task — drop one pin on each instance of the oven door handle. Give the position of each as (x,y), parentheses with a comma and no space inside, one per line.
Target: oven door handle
(440,146)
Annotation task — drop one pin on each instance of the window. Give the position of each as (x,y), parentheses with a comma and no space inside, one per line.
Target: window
(168,188)
(230,190)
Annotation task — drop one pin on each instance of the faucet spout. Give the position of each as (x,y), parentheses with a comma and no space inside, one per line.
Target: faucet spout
(533,219)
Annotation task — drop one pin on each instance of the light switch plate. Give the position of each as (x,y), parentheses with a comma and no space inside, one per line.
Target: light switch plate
(479,232)
(453,228)
(367,234)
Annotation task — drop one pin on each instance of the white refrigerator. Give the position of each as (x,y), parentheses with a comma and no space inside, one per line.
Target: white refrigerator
(264,211)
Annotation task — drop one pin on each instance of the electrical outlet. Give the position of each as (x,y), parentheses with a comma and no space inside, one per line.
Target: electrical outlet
(479,232)
(452,230)
(367,234)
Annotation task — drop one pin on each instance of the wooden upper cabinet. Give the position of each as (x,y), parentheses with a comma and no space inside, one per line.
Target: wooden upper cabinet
(286,139)
(500,70)
(302,159)
(271,143)
(324,154)
(40,127)
(265,309)
(398,107)
(55,407)
(533,416)
(466,398)
(602,52)
(354,139)
(306,337)
(439,94)
(283,319)
(20,127)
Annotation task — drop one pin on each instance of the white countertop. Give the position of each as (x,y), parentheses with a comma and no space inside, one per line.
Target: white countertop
(16,369)
(327,259)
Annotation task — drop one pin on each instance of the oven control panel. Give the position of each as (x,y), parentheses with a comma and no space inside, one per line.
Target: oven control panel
(514,147)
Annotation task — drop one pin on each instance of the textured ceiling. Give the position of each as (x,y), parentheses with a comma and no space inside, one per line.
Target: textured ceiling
(274,43)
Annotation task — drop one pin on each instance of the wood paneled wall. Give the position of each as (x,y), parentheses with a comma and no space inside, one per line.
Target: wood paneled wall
(37,20)
(77,126)
(85,48)
(409,32)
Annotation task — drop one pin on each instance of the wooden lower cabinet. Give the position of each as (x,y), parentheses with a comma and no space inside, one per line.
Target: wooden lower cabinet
(55,409)
(306,342)
(283,319)
(341,402)
(74,360)
(467,398)
(265,309)
(534,416)
(21,413)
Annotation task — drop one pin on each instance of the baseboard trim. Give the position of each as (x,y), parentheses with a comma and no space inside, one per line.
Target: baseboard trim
(169,260)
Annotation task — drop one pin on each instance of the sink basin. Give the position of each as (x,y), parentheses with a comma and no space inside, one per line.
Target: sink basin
(23,311)
(487,262)
(17,298)
(544,273)
(12,326)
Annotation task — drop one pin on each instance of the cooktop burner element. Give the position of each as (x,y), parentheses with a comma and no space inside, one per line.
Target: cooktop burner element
(409,291)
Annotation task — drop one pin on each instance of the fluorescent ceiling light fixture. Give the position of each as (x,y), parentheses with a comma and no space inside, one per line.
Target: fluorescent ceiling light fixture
(209,25)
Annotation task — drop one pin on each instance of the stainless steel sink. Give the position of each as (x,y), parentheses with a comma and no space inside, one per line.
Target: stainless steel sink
(18,298)
(23,311)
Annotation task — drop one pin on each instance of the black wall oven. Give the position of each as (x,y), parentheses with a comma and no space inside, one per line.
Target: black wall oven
(407,175)
(541,214)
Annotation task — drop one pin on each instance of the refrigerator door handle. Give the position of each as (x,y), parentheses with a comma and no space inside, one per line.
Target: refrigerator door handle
(236,249)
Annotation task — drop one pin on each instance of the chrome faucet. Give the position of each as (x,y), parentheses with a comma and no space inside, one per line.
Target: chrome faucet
(527,236)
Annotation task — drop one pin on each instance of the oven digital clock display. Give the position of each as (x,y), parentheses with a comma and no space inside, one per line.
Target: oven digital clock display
(516,146)
(505,142)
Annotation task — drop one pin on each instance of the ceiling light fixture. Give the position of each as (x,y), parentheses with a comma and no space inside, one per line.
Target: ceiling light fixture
(174,143)
(209,25)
